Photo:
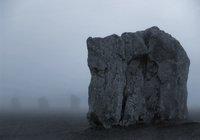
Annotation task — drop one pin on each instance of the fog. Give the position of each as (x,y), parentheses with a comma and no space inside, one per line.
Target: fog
(43,43)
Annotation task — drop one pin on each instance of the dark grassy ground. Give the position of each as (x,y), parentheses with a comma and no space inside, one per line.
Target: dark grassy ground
(63,126)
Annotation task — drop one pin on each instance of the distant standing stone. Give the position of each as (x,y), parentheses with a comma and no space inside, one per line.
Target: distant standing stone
(43,104)
(137,77)
(75,105)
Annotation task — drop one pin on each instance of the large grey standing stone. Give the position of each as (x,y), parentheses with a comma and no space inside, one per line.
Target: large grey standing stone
(138,77)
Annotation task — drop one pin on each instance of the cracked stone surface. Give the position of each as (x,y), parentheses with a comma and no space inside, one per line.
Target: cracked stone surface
(137,77)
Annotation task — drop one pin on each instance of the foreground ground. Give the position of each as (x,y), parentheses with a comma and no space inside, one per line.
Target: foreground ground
(62,126)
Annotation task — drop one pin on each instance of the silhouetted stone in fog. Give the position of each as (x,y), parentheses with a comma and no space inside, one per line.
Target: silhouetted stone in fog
(15,104)
(74,103)
(43,103)
(138,77)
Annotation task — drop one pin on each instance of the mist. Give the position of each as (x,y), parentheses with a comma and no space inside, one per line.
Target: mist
(43,44)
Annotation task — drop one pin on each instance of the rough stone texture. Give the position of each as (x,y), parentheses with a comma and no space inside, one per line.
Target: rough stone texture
(137,78)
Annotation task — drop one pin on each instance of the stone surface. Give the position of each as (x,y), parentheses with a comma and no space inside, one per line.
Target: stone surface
(137,78)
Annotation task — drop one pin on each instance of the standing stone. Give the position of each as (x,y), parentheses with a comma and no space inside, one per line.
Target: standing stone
(16,104)
(43,104)
(75,103)
(138,77)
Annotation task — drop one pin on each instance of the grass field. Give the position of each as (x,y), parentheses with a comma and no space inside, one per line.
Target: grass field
(64,126)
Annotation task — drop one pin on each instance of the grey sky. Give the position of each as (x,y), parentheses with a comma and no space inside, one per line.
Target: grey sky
(43,49)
